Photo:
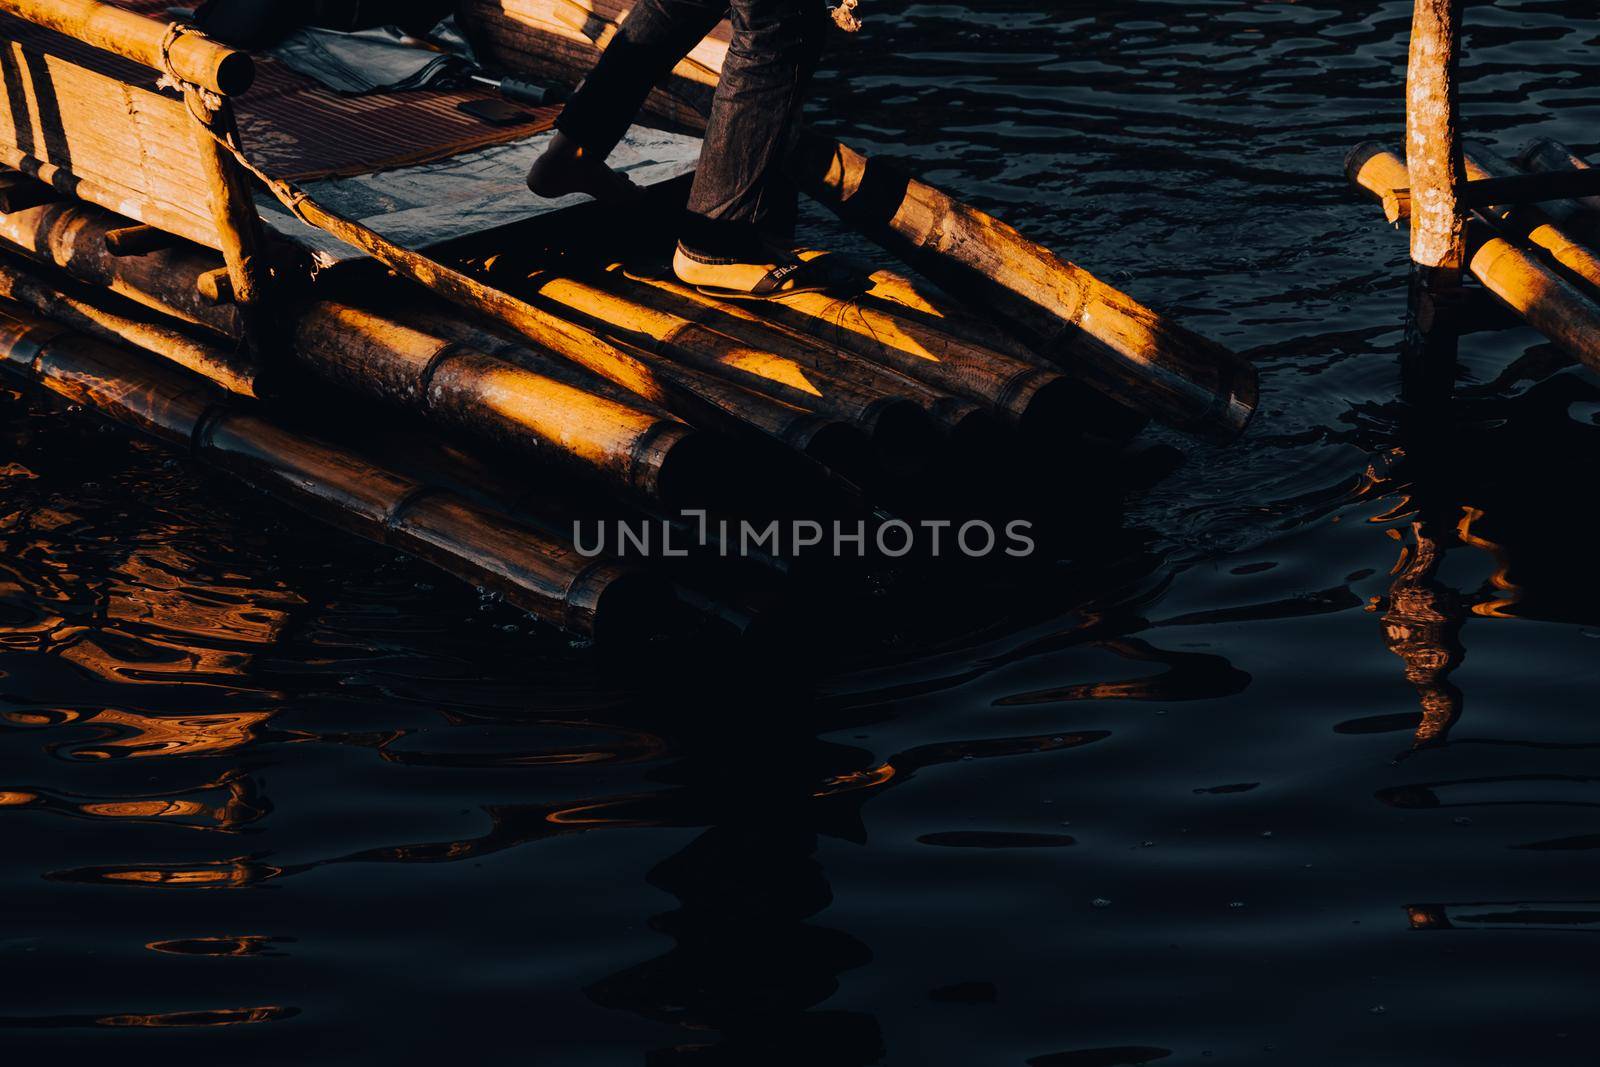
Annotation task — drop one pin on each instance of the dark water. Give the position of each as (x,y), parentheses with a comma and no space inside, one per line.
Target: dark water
(1314,781)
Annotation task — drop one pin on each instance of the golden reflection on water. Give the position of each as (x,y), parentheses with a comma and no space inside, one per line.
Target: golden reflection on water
(181,735)
(215,1017)
(234,873)
(232,947)
(1423,614)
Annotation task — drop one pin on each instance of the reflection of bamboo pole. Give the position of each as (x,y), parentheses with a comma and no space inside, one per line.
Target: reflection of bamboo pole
(536,571)
(1422,626)
(1547,302)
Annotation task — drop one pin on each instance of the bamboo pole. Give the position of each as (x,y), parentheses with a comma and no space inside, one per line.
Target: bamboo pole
(560,336)
(835,370)
(53,299)
(766,364)
(548,414)
(1547,156)
(704,399)
(1534,223)
(19,192)
(1543,299)
(238,224)
(1111,341)
(895,338)
(71,236)
(1434,157)
(125,202)
(194,57)
(536,571)
(138,240)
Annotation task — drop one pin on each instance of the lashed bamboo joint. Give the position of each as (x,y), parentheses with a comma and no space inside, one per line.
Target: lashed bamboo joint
(1516,275)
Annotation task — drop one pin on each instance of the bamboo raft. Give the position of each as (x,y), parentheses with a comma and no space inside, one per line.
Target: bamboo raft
(139,278)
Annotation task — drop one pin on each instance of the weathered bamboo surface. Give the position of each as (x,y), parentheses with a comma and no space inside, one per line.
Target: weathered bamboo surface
(712,401)
(541,406)
(1544,226)
(193,57)
(72,235)
(1144,361)
(1534,223)
(240,233)
(53,298)
(535,570)
(1433,142)
(102,140)
(547,412)
(1545,300)
(895,338)
(747,353)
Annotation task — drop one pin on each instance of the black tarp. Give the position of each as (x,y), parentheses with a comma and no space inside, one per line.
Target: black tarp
(261,23)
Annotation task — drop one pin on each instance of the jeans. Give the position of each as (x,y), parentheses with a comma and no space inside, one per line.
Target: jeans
(740,192)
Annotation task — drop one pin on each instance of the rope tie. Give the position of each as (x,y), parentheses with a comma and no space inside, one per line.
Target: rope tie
(170,78)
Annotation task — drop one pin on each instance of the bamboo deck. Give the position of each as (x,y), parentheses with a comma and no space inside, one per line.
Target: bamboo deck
(554,345)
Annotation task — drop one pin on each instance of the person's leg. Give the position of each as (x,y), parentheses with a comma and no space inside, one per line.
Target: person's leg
(654,36)
(740,194)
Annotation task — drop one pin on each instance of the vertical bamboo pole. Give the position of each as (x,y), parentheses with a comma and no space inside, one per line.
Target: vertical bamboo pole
(237,221)
(1437,168)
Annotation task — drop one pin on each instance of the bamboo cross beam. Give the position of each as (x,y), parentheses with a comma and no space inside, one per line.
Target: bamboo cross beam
(1531,188)
(1541,225)
(1545,155)
(193,57)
